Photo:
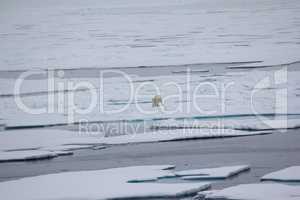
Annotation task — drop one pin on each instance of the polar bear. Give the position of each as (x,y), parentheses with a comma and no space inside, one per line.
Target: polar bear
(157,101)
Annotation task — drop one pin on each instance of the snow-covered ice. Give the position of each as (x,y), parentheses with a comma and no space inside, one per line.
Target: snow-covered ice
(70,34)
(179,134)
(257,191)
(212,173)
(290,174)
(152,177)
(18,144)
(70,147)
(27,155)
(96,185)
(48,139)
(34,144)
(237,102)
(238,124)
(99,34)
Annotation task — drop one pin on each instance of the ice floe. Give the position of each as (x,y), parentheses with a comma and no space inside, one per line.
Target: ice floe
(27,155)
(212,173)
(34,144)
(179,134)
(47,139)
(162,171)
(290,174)
(71,147)
(238,101)
(26,120)
(213,32)
(153,177)
(100,184)
(13,142)
(256,191)
(251,123)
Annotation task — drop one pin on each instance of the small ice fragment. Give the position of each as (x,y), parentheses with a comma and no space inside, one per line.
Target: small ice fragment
(290,174)
(212,173)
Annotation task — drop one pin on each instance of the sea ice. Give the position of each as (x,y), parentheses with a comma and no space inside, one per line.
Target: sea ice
(33,144)
(53,140)
(26,155)
(95,185)
(290,174)
(250,124)
(47,139)
(179,134)
(129,35)
(212,173)
(69,147)
(256,191)
(238,101)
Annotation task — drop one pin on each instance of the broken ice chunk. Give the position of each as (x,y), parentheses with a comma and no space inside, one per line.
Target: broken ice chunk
(290,174)
(98,184)
(9,156)
(257,191)
(212,173)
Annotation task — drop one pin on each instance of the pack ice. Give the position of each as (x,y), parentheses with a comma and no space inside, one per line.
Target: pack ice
(99,184)
(290,174)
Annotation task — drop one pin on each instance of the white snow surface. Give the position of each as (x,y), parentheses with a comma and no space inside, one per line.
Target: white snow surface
(121,102)
(290,174)
(257,191)
(48,139)
(179,134)
(70,34)
(96,185)
(238,124)
(18,144)
(27,155)
(212,173)
(28,144)
(70,147)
